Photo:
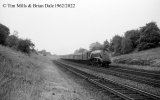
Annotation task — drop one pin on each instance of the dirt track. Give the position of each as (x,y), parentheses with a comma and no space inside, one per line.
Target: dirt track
(63,85)
(56,87)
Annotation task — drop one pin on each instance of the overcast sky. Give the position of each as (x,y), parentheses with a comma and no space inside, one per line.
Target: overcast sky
(62,30)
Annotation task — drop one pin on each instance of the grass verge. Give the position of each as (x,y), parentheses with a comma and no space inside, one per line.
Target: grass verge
(20,75)
(143,58)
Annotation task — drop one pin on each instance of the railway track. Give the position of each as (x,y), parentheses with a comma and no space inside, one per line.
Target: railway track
(146,73)
(147,77)
(119,91)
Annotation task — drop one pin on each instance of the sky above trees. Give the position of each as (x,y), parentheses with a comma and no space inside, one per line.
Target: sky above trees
(63,30)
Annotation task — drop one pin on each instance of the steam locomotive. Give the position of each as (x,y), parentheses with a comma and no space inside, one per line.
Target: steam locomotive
(95,58)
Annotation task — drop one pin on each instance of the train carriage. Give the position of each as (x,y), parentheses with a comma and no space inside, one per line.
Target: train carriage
(97,57)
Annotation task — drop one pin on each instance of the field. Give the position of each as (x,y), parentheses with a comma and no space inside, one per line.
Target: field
(149,58)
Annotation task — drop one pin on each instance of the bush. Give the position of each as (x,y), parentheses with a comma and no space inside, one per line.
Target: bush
(4,32)
(25,46)
(145,46)
(12,41)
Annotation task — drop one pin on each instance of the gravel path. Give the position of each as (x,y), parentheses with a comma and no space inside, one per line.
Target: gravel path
(61,84)
(55,86)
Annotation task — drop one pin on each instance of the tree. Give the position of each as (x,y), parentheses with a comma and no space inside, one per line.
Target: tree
(126,45)
(133,35)
(149,36)
(12,40)
(80,50)
(95,46)
(116,44)
(25,45)
(111,48)
(106,45)
(4,32)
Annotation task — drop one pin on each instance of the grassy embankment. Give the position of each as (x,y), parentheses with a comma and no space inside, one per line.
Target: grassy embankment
(20,75)
(143,58)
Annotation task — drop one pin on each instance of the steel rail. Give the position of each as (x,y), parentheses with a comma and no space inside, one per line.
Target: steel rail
(139,77)
(96,80)
(100,85)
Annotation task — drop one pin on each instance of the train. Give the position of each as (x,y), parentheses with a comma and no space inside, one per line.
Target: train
(95,58)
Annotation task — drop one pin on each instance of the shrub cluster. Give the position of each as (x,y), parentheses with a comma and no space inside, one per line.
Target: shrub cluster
(13,41)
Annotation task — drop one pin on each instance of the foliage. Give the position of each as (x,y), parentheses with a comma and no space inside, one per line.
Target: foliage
(25,45)
(133,36)
(129,41)
(126,45)
(4,32)
(111,46)
(12,40)
(106,45)
(96,46)
(116,44)
(145,46)
(149,36)
(80,50)
(144,38)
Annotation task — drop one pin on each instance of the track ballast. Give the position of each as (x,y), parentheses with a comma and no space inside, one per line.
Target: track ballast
(119,90)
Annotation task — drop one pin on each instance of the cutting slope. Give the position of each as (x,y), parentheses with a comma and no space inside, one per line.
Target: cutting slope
(20,75)
(145,58)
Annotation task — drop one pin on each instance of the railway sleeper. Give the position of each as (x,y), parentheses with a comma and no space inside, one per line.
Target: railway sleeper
(121,89)
(118,99)
(129,96)
(154,82)
(127,92)
(138,96)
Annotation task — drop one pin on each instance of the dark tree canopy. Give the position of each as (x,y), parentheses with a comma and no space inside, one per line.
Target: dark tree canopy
(116,44)
(126,45)
(149,36)
(4,32)
(25,45)
(12,41)
(133,36)
(144,38)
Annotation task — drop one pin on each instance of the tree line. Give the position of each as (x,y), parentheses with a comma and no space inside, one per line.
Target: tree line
(14,42)
(143,38)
